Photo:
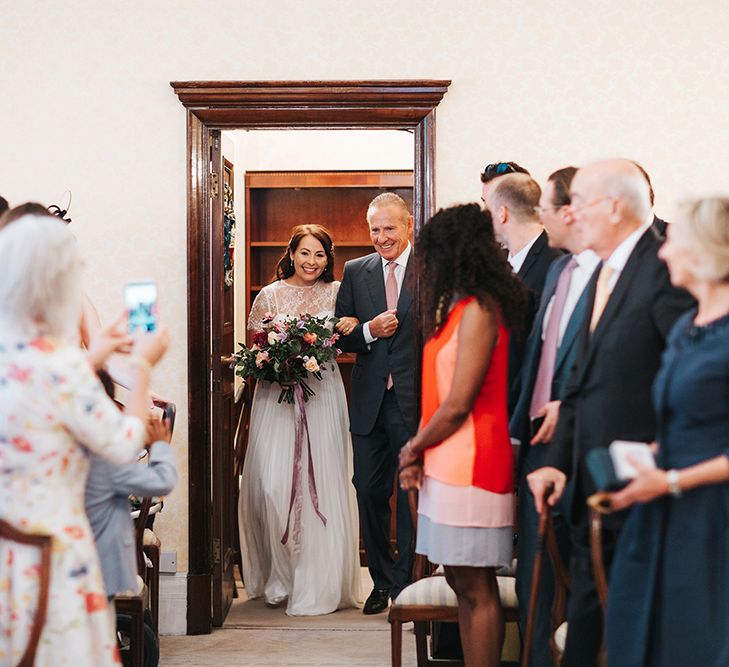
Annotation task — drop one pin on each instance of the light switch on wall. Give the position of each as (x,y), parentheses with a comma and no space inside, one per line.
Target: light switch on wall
(168,561)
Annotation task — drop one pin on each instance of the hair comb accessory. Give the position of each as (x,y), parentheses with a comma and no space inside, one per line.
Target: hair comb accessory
(61,212)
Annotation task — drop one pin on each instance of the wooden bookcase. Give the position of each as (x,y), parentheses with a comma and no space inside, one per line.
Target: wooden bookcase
(278,201)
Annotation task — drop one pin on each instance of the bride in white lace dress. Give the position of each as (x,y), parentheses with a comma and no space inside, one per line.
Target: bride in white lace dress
(317,570)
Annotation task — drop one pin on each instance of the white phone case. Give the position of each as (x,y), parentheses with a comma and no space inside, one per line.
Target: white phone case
(621,449)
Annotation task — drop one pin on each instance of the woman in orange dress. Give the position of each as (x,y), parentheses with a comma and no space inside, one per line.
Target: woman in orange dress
(461,458)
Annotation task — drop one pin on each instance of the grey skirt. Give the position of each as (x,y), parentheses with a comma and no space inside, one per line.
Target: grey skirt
(468,546)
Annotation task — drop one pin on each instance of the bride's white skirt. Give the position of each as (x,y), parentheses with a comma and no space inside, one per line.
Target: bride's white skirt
(324,575)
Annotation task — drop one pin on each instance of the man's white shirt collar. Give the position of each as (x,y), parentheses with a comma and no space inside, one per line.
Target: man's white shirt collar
(401,260)
(587,260)
(620,255)
(517,260)
(619,258)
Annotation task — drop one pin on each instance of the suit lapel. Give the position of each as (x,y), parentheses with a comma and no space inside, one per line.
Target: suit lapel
(619,293)
(531,258)
(405,300)
(375,280)
(406,295)
(622,287)
(550,286)
(570,333)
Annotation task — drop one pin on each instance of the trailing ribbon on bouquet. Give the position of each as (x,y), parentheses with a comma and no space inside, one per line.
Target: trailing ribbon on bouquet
(297,493)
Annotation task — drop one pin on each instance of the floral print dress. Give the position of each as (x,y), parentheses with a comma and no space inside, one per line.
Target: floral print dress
(52,408)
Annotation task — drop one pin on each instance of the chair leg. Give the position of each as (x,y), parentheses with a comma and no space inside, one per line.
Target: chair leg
(396,642)
(137,637)
(153,581)
(421,643)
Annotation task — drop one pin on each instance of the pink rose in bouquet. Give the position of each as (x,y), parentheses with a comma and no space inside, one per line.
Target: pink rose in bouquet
(288,352)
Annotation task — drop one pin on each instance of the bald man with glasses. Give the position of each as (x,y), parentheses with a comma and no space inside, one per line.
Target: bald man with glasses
(630,308)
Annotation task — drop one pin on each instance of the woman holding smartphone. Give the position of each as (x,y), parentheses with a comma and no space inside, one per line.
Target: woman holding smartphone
(53,412)
(668,602)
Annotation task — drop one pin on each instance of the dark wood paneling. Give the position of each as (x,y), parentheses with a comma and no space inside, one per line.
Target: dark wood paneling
(403,96)
(329,179)
(198,373)
(275,211)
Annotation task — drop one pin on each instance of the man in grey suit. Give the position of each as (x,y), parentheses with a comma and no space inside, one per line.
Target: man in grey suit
(108,488)
(548,359)
(382,409)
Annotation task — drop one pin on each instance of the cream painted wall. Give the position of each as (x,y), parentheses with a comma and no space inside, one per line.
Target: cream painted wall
(86,106)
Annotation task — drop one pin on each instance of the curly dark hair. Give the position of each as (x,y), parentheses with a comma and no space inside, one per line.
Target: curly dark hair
(285,267)
(456,255)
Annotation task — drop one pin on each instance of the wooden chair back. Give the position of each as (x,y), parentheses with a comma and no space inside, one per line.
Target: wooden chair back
(44,544)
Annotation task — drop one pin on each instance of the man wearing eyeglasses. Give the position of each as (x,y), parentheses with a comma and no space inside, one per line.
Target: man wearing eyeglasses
(513,199)
(549,357)
(630,308)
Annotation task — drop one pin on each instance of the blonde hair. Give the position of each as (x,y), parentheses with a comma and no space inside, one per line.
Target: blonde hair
(704,227)
(40,290)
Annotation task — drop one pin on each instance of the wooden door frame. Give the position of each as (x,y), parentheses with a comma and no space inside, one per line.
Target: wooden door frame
(383,105)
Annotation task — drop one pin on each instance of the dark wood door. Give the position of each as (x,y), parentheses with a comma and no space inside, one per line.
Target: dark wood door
(222,345)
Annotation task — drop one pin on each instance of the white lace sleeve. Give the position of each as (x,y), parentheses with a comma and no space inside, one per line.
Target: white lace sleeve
(262,304)
(334,285)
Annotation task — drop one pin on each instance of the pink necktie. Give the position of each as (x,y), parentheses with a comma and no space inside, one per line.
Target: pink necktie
(391,297)
(543,384)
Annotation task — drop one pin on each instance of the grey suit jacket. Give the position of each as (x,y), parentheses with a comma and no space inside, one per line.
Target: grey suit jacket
(362,295)
(107,506)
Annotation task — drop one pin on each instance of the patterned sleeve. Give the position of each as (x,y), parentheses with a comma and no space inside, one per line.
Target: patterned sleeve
(91,416)
(262,304)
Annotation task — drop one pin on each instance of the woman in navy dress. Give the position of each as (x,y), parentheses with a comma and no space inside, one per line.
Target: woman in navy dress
(668,602)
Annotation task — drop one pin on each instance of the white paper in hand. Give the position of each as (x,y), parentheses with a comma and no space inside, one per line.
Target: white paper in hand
(619,452)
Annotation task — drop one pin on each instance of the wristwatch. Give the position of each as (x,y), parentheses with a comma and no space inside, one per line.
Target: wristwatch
(674,488)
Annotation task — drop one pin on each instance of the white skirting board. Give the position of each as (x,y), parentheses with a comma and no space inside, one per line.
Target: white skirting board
(173,603)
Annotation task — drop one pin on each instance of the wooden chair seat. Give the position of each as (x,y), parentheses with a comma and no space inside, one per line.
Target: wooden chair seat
(432,599)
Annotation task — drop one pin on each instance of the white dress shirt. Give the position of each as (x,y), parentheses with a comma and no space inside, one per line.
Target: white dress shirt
(517,260)
(587,262)
(401,263)
(619,258)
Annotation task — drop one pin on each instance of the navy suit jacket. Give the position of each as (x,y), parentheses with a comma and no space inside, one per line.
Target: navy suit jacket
(533,273)
(608,396)
(362,295)
(566,354)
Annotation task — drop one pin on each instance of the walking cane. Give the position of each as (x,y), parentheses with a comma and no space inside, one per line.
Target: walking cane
(545,519)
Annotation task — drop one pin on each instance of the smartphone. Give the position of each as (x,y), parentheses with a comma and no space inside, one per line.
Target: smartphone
(140,302)
(535,423)
(640,451)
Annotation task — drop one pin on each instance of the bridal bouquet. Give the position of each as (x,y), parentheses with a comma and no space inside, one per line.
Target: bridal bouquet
(288,351)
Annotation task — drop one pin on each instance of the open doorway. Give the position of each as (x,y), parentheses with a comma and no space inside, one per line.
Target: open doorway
(275,180)
(212,107)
